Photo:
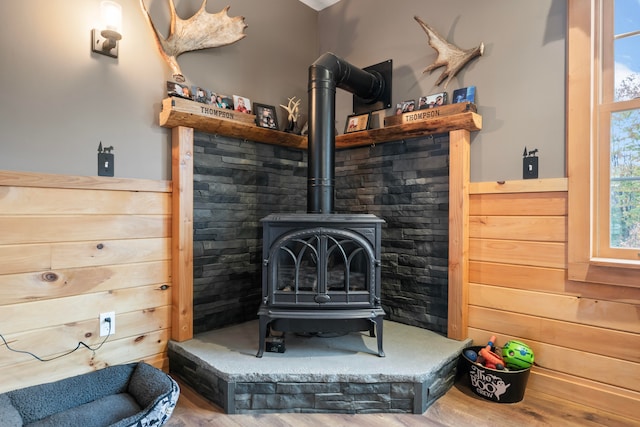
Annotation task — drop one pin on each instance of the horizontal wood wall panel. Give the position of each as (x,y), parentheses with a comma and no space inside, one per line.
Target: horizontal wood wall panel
(59,339)
(43,180)
(29,316)
(517,276)
(41,229)
(585,336)
(21,258)
(74,247)
(622,345)
(608,398)
(117,351)
(597,367)
(586,311)
(106,252)
(38,257)
(28,287)
(532,228)
(528,186)
(538,254)
(48,201)
(519,204)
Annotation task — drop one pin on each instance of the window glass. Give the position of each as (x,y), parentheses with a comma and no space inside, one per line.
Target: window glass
(624,127)
(627,49)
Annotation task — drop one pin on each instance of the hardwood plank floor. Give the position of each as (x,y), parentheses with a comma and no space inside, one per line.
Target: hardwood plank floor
(459,407)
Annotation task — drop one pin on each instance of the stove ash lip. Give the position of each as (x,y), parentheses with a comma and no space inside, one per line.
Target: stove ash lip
(326,74)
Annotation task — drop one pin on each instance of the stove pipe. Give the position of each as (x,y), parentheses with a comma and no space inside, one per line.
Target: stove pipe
(325,74)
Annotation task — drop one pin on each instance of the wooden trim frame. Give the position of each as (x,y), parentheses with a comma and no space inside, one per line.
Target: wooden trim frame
(182,233)
(582,266)
(459,177)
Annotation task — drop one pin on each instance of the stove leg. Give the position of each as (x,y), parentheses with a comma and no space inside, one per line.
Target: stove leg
(263,334)
(378,322)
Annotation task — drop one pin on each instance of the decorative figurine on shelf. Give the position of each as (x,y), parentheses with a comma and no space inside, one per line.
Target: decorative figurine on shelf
(293,108)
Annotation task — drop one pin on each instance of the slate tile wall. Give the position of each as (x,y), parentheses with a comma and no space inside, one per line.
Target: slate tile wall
(406,183)
(239,182)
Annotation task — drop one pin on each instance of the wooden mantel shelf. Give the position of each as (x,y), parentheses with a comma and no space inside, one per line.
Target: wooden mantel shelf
(464,121)
(183,113)
(173,116)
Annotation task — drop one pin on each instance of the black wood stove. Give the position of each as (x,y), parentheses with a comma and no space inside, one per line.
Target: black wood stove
(321,270)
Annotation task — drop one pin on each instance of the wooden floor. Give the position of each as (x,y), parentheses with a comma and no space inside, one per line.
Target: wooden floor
(459,407)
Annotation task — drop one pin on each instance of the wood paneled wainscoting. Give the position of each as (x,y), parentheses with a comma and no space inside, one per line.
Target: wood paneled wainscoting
(586,336)
(71,248)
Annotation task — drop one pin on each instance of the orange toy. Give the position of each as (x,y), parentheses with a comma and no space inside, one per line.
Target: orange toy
(490,357)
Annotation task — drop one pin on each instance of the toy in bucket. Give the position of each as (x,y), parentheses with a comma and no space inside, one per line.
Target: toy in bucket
(499,375)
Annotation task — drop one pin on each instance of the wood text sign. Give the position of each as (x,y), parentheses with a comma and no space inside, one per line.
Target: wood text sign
(205,110)
(429,113)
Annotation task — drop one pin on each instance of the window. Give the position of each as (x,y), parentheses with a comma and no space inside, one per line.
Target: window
(603,141)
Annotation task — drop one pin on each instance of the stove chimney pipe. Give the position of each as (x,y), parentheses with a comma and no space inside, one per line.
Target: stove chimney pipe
(325,74)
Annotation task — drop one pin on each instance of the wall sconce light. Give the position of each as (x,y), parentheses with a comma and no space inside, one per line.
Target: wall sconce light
(105,41)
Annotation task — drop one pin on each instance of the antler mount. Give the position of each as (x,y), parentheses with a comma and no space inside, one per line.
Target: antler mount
(202,31)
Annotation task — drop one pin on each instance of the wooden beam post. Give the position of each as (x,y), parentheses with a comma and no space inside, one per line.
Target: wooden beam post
(182,233)
(459,176)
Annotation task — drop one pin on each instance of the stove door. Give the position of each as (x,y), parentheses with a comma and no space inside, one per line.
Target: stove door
(321,267)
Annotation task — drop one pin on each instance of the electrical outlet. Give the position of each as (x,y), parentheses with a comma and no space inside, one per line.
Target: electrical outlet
(107,328)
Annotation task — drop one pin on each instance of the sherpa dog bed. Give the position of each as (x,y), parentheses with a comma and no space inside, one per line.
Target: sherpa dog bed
(135,394)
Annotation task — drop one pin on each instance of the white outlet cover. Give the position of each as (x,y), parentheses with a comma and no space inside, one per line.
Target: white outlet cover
(105,329)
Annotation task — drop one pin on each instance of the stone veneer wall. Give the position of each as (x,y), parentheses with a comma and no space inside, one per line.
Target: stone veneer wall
(264,394)
(236,184)
(406,183)
(239,182)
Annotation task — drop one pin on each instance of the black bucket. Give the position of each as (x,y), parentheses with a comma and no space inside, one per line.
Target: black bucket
(492,384)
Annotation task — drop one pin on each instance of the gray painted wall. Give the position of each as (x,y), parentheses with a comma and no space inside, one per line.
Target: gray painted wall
(520,79)
(60,100)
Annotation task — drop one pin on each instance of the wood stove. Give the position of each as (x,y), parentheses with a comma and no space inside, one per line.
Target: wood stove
(321,273)
(321,270)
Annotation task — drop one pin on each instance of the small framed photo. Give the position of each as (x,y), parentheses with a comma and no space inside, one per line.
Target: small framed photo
(179,90)
(465,94)
(357,122)
(432,101)
(211,100)
(406,106)
(200,94)
(265,116)
(241,104)
(223,101)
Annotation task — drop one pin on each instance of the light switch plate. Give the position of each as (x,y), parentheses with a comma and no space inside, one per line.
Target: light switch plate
(530,168)
(105,164)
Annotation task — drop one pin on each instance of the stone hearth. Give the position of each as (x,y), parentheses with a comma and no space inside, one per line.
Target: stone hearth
(339,373)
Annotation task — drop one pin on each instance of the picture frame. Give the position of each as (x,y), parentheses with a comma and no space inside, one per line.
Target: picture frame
(200,94)
(357,123)
(464,94)
(242,104)
(406,106)
(432,101)
(179,90)
(266,116)
(222,101)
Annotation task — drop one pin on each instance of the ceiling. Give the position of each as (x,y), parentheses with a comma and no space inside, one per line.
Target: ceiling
(319,4)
